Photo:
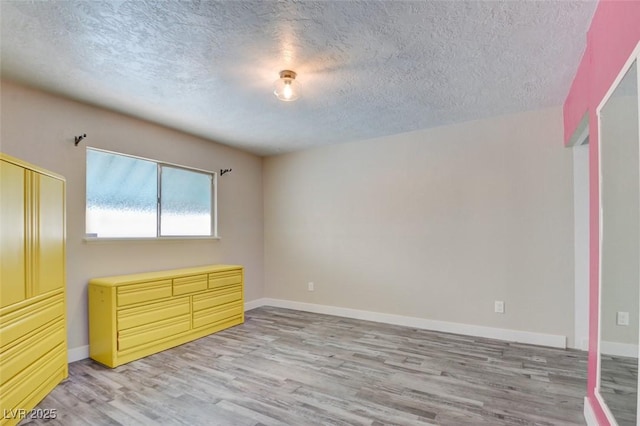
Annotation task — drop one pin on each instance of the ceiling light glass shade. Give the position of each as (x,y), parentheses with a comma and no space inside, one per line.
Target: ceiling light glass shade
(286,88)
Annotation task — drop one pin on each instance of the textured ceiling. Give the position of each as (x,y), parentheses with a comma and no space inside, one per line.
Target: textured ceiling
(367,69)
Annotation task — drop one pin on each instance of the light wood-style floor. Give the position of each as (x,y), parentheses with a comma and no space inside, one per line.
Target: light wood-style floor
(619,387)
(285,367)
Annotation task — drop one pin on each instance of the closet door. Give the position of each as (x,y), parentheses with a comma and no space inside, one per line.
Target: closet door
(12,230)
(48,234)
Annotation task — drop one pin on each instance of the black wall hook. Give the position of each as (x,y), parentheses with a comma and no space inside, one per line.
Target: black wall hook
(222,172)
(79,138)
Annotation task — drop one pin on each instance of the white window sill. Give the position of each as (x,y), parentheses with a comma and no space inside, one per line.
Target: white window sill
(147,239)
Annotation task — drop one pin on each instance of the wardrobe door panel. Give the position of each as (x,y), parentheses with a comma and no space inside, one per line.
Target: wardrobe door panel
(12,234)
(50,234)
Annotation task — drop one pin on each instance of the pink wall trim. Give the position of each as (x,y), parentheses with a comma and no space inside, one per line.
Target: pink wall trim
(612,37)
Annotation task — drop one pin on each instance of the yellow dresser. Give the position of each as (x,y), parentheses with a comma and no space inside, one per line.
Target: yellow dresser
(33,337)
(132,316)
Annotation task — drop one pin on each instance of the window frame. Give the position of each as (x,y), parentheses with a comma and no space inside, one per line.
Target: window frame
(159,165)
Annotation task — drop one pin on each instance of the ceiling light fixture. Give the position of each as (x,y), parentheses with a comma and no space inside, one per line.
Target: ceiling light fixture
(286,87)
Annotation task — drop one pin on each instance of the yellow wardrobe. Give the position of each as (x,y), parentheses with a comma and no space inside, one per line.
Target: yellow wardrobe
(33,346)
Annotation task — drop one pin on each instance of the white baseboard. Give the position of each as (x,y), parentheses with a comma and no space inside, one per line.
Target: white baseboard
(76,354)
(619,349)
(532,338)
(582,344)
(254,304)
(589,415)
(556,341)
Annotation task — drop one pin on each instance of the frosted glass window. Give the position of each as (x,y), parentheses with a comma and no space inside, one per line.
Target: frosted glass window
(129,197)
(121,196)
(186,202)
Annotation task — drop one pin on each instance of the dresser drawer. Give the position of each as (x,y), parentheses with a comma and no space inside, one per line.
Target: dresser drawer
(217,297)
(144,292)
(28,350)
(191,284)
(221,279)
(35,377)
(23,321)
(217,314)
(137,336)
(153,312)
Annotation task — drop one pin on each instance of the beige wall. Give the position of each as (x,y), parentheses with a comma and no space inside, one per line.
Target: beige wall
(434,224)
(39,128)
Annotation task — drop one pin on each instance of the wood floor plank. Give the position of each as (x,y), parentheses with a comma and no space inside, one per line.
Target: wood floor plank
(619,378)
(285,367)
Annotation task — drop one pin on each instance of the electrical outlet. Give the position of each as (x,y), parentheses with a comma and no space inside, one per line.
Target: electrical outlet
(310,286)
(498,307)
(622,318)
